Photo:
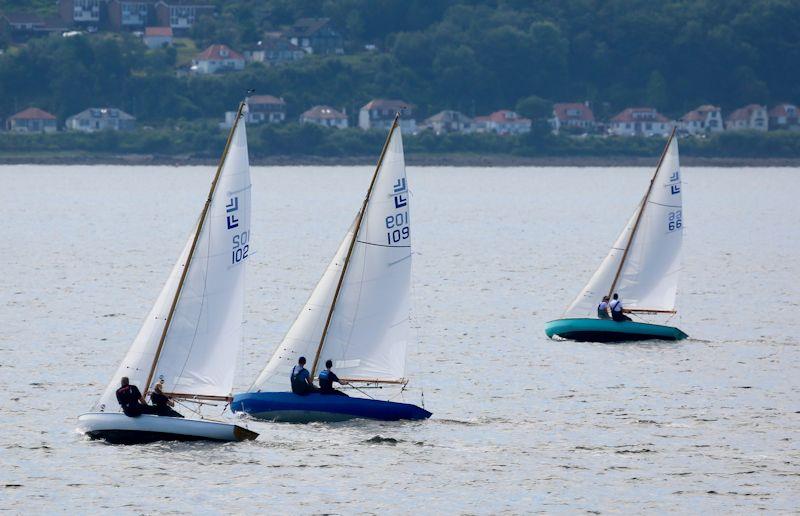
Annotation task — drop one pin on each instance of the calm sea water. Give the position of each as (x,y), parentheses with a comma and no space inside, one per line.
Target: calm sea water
(520,424)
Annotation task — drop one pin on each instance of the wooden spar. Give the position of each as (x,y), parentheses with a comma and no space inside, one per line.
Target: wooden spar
(639,216)
(186,396)
(399,381)
(191,250)
(647,311)
(359,219)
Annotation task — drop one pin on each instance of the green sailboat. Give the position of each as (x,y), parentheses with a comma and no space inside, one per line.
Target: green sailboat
(642,267)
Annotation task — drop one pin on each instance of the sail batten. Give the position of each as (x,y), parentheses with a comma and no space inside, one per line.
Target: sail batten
(643,265)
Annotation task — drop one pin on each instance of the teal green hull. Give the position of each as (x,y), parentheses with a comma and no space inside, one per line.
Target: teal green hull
(607,330)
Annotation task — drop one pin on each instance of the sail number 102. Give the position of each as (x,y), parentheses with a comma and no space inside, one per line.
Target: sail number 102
(240,247)
(397,225)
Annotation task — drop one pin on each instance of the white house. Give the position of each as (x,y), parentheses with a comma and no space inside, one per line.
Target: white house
(448,122)
(380,113)
(262,109)
(705,119)
(502,122)
(101,119)
(643,121)
(217,58)
(784,117)
(157,37)
(752,117)
(324,115)
(32,120)
(572,115)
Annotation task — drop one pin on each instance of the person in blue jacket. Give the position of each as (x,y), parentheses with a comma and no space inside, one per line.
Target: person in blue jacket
(326,379)
(301,379)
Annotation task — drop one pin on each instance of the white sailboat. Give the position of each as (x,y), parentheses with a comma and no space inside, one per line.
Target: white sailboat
(192,334)
(642,267)
(357,316)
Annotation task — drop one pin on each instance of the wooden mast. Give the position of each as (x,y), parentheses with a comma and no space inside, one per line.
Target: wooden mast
(639,216)
(359,219)
(191,250)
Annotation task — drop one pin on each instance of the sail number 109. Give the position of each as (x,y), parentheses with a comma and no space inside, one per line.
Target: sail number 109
(398,228)
(240,247)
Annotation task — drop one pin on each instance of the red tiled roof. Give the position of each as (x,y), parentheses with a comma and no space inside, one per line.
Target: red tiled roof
(324,112)
(651,115)
(781,110)
(699,114)
(265,99)
(584,112)
(158,31)
(32,113)
(744,113)
(214,52)
(394,105)
(504,116)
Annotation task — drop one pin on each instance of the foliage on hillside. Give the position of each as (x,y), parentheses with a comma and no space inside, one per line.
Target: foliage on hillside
(475,56)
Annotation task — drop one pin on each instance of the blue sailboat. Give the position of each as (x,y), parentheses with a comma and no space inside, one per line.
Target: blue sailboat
(642,268)
(357,316)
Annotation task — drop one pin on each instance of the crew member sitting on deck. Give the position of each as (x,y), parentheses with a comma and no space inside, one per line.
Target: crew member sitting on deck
(616,310)
(162,402)
(602,309)
(326,379)
(301,379)
(131,400)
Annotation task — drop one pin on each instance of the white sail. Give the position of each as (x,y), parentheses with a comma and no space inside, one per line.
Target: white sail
(199,352)
(648,279)
(304,336)
(369,326)
(585,305)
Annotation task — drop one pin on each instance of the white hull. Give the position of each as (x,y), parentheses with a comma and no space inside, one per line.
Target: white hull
(120,429)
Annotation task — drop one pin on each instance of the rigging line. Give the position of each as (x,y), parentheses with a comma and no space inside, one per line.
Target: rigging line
(359,221)
(200,312)
(665,205)
(200,223)
(380,245)
(642,206)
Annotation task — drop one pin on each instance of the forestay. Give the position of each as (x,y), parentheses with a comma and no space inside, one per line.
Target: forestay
(648,277)
(198,356)
(369,326)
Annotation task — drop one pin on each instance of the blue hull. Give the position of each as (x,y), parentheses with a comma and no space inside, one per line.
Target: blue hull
(607,330)
(292,408)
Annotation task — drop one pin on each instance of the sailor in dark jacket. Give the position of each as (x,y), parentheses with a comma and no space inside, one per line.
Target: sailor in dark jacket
(162,402)
(326,379)
(131,400)
(300,378)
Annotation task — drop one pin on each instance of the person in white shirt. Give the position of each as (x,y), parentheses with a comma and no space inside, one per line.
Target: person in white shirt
(602,309)
(616,309)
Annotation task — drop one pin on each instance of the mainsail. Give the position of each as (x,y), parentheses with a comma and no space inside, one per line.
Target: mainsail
(192,334)
(644,264)
(358,314)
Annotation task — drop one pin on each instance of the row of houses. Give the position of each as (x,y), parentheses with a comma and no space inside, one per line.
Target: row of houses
(646,121)
(307,36)
(113,15)
(158,21)
(378,114)
(35,120)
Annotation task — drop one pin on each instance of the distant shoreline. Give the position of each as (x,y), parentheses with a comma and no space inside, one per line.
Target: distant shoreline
(430,160)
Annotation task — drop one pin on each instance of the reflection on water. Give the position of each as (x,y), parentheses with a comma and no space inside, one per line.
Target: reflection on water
(520,422)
